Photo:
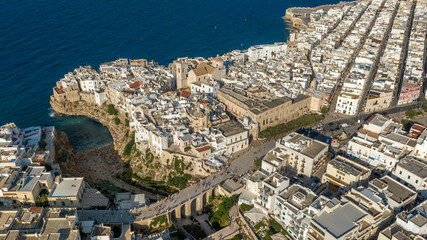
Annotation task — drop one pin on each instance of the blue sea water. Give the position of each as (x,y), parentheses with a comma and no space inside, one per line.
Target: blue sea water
(41,40)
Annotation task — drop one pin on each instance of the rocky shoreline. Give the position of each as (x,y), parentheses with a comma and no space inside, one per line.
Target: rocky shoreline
(103,164)
(81,108)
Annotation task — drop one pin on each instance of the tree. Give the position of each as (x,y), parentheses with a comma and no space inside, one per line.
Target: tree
(324,110)
(237,237)
(117,120)
(42,199)
(128,147)
(178,181)
(411,113)
(258,163)
(112,110)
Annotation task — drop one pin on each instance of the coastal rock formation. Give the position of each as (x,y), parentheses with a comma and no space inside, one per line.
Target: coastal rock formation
(82,108)
(64,150)
(135,163)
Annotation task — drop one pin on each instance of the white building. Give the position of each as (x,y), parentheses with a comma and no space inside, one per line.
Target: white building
(295,206)
(304,153)
(412,171)
(415,221)
(235,136)
(100,96)
(420,150)
(267,51)
(89,84)
(270,188)
(209,88)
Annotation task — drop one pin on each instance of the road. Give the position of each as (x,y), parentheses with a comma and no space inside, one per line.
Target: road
(403,56)
(237,167)
(338,87)
(370,79)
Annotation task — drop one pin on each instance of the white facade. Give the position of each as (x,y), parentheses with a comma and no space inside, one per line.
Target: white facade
(100,97)
(420,150)
(89,85)
(266,51)
(207,88)
(304,153)
(347,104)
(412,171)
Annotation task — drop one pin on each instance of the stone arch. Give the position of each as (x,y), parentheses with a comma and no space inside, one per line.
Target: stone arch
(193,205)
(205,199)
(176,213)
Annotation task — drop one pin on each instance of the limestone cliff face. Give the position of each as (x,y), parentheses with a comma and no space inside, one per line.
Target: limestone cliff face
(64,151)
(99,113)
(156,168)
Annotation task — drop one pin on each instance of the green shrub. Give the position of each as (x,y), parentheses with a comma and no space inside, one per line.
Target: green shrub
(258,226)
(220,216)
(406,124)
(42,199)
(412,113)
(291,126)
(127,122)
(112,110)
(237,237)
(245,207)
(159,221)
(258,163)
(324,110)
(179,181)
(117,120)
(128,147)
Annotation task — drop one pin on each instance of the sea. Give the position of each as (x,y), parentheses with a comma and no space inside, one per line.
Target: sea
(41,40)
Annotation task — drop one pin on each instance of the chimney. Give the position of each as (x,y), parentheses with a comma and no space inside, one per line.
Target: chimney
(58,179)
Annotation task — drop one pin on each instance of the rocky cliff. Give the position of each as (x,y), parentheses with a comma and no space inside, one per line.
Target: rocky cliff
(119,132)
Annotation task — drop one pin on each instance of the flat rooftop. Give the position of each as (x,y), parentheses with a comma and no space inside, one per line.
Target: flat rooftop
(341,220)
(230,128)
(303,144)
(414,165)
(399,192)
(345,167)
(69,187)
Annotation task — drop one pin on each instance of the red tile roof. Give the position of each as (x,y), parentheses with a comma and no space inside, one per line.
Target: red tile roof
(372,134)
(36,209)
(185,94)
(417,127)
(136,84)
(59,90)
(202,149)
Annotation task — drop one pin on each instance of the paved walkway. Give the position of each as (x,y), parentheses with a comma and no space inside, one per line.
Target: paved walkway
(237,167)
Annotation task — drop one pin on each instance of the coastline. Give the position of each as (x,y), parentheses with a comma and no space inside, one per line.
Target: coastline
(121,135)
(92,111)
